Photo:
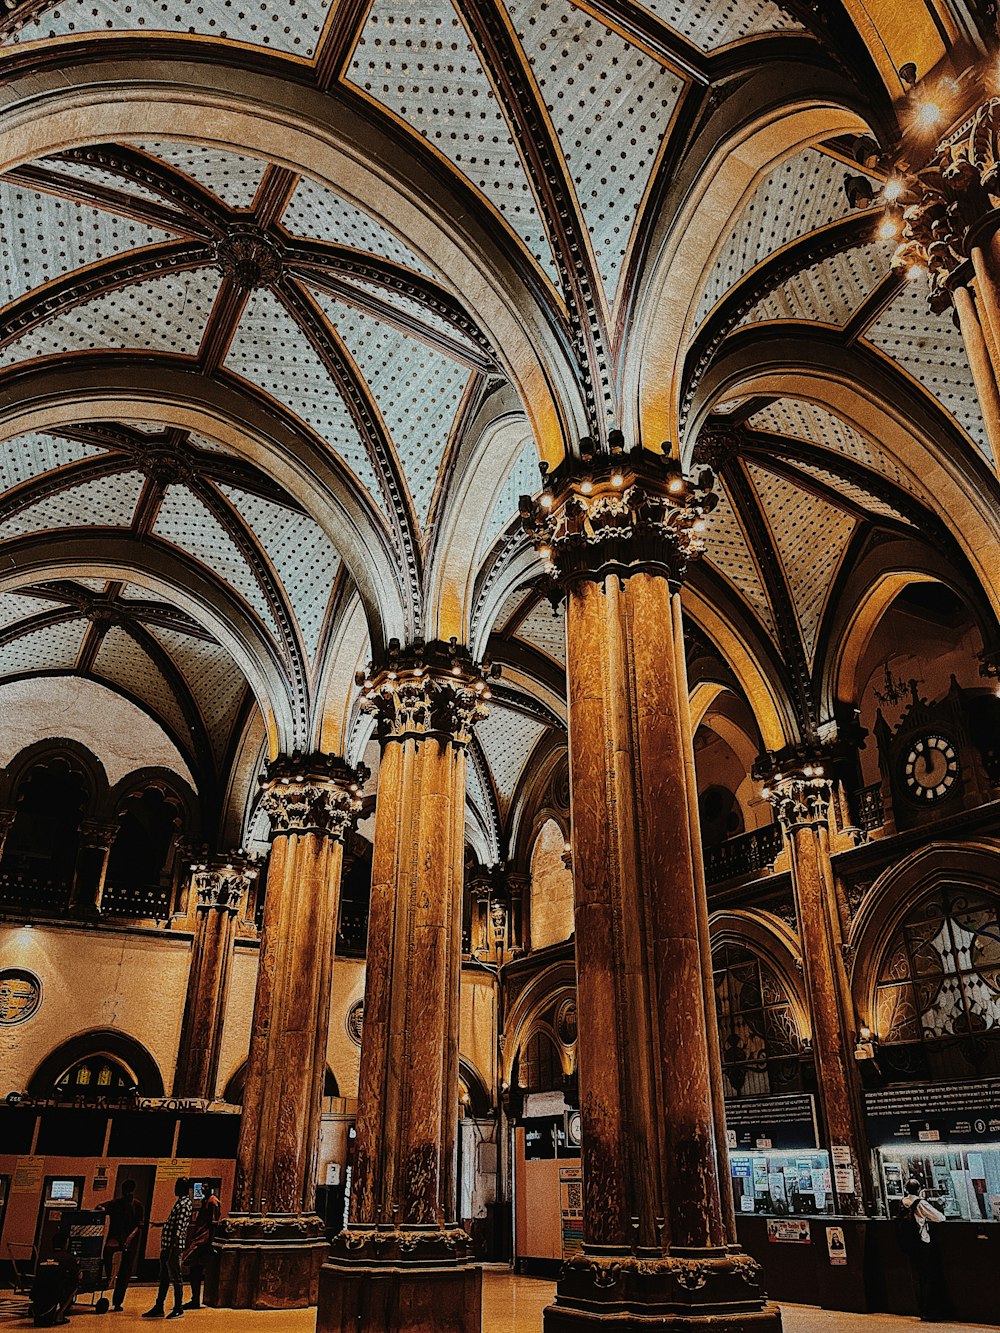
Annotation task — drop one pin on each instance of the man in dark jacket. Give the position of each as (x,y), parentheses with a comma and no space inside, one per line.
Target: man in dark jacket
(126,1216)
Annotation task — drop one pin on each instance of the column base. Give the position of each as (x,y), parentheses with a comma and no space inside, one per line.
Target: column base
(421,1280)
(266,1262)
(716,1290)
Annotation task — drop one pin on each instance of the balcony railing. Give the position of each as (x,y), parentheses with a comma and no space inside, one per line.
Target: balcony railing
(142,903)
(871,813)
(748,854)
(30,894)
(352,934)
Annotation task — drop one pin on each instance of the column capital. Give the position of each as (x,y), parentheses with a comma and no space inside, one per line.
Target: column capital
(98,833)
(221,882)
(624,513)
(426,689)
(950,202)
(311,793)
(798,784)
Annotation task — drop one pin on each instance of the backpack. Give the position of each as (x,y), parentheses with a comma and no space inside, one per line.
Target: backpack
(908,1229)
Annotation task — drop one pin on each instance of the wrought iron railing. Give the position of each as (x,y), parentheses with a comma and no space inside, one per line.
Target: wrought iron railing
(31,893)
(136,903)
(871,812)
(747,854)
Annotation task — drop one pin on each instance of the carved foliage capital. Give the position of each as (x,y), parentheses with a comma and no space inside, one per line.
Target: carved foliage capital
(311,794)
(800,802)
(622,514)
(428,690)
(222,883)
(98,833)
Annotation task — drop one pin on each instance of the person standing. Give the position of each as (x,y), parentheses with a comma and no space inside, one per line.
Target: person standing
(199,1249)
(126,1215)
(915,1218)
(172,1244)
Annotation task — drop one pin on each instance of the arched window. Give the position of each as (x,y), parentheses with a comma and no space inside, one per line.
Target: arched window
(138,865)
(95,1076)
(937,1010)
(539,1066)
(757,1030)
(40,852)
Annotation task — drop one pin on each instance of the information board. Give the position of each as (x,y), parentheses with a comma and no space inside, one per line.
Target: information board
(571,1210)
(940,1113)
(772,1122)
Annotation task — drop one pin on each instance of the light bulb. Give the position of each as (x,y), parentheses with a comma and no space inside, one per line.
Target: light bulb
(928,115)
(889,229)
(587,487)
(893,190)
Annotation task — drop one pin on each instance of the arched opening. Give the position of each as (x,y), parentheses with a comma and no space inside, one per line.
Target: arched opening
(100,1063)
(758,1035)
(539,1067)
(937,989)
(551,888)
(40,854)
(140,862)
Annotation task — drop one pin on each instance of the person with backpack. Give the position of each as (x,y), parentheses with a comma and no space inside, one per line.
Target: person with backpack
(914,1221)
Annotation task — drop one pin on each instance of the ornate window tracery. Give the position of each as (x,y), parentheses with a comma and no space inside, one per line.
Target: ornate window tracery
(937,1005)
(758,1034)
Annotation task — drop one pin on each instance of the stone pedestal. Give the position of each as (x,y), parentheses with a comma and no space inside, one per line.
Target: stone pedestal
(270,1248)
(403,1265)
(659,1251)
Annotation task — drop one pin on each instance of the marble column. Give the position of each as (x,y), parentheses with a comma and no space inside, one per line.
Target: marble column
(403,1262)
(800,789)
(659,1247)
(270,1248)
(219,888)
(949,217)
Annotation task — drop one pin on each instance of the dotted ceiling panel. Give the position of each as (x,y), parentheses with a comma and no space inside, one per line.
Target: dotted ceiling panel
(418,61)
(317,212)
(710,24)
(271,350)
(293,27)
(27,456)
(829,291)
(301,554)
(811,538)
(417,392)
(46,237)
(231,177)
(15,607)
(55,648)
(510,605)
(162,314)
(545,630)
(90,173)
(404,305)
(729,551)
(122,662)
(523,479)
(213,678)
(610,105)
(931,349)
(104,502)
(508,739)
(185,522)
(806,421)
(802,193)
(859,495)
(475,792)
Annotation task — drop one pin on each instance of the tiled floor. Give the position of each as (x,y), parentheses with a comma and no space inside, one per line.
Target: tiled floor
(510,1305)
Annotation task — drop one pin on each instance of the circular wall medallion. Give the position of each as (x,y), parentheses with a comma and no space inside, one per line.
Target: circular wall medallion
(930,768)
(20,995)
(566,1025)
(355,1021)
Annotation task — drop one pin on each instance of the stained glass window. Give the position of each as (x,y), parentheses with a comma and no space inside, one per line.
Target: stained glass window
(937,1010)
(96,1076)
(757,1030)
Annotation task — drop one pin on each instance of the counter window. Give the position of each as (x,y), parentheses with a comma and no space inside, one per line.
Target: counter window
(964,1182)
(782,1184)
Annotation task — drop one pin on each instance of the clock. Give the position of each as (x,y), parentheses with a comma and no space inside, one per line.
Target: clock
(930,767)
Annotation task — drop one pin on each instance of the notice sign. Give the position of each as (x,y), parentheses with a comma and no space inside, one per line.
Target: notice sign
(789,1230)
(571,1209)
(28,1172)
(771,1122)
(836,1248)
(944,1113)
(173,1168)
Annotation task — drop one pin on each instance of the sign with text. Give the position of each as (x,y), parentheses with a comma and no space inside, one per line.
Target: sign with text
(941,1113)
(771,1122)
(571,1210)
(173,1168)
(28,1172)
(789,1230)
(836,1247)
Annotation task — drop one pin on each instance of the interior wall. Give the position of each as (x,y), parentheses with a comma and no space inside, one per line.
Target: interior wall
(551,889)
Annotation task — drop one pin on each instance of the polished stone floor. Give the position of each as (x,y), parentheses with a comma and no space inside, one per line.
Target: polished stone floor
(510,1305)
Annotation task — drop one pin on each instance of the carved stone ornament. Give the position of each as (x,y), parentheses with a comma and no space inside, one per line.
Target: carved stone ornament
(620,514)
(431,1243)
(248,257)
(667,1278)
(98,834)
(798,782)
(314,793)
(952,195)
(427,690)
(222,884)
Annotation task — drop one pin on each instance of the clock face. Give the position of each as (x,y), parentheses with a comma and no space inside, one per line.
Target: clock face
(930,767)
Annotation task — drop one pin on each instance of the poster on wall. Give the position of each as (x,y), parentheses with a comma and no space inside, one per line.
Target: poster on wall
(789,1230)
(835,1245)
(571,1210)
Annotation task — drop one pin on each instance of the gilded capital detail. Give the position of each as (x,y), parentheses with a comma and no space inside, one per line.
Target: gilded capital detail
(315,793)
(222,883)
(798,785)
(623,513)
(427,690)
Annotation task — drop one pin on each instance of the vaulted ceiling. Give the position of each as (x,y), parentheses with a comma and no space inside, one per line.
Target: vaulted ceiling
(242,395)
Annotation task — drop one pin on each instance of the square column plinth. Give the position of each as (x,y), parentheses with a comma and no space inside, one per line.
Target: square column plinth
(400,1298)
(266,1264)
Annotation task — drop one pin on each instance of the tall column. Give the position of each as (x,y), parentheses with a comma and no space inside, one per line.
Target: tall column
(950,227)
(799,788)
(220,888)
(271,1247)
(404,1263)
(659,1247)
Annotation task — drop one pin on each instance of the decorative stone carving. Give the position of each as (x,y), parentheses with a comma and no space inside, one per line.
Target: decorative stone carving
(248,257)
(315,793)
(98,834)
(432,689)
(221,884)
(621,514)
(798,785)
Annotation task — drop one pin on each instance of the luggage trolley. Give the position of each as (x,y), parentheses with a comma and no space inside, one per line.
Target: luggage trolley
(86,1240)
